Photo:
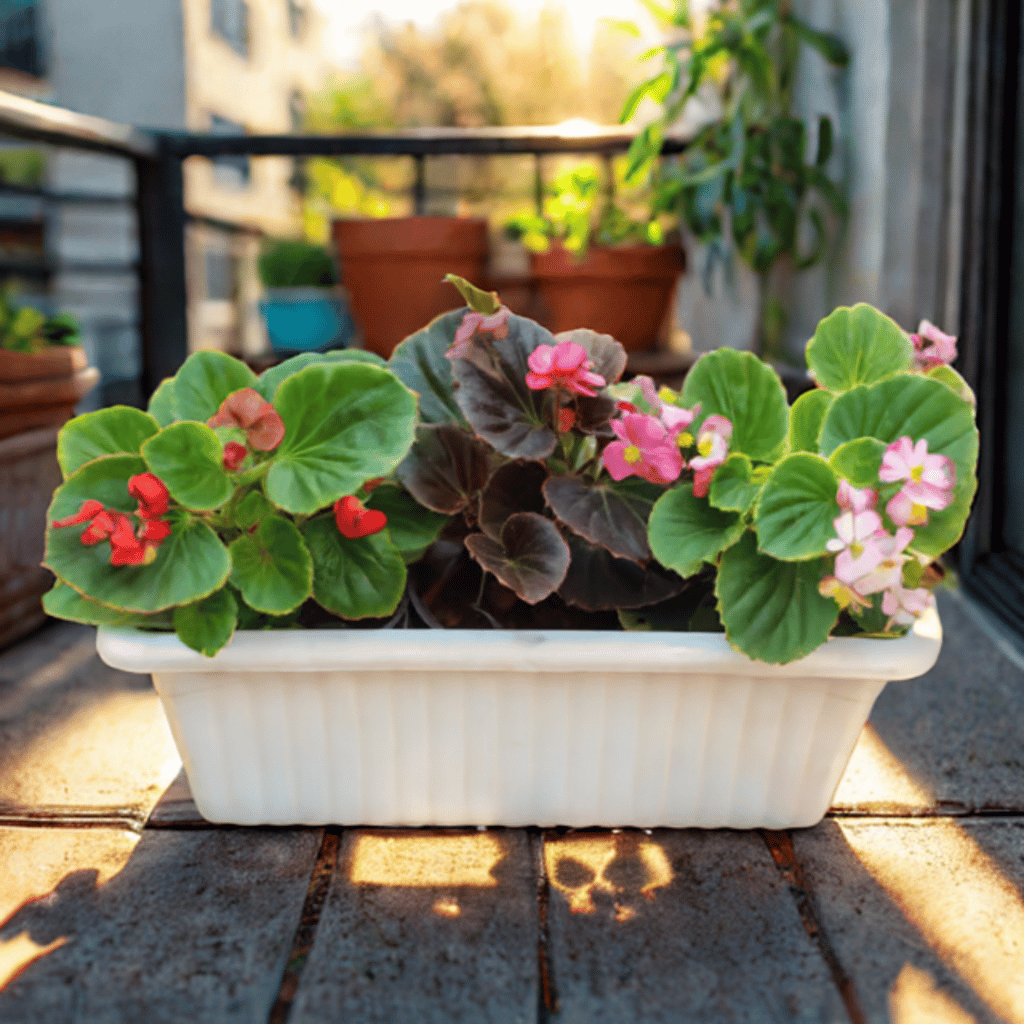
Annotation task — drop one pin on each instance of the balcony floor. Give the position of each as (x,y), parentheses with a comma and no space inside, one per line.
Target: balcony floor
(118,903)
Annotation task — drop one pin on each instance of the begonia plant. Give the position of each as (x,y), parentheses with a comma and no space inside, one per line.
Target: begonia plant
(494,475)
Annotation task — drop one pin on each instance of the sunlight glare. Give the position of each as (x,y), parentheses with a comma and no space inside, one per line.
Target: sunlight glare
(915,999)
(426,860)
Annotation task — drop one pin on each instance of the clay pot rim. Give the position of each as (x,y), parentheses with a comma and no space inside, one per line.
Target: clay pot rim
(407,237)
(632,262)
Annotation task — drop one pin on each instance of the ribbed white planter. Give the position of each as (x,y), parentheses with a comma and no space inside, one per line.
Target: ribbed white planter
(446,727)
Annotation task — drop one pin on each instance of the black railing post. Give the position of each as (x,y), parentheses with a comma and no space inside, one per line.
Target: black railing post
(162,290)
(419,192)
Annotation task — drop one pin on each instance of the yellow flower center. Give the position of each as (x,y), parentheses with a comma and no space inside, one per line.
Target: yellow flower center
(916,473)
(667,395)
(632,454)
(704,445)
(856,549)
(149,557)
(685,439)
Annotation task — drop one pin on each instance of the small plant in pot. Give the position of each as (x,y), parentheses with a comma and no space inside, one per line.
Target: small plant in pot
(597,263)
(619,570)
(303,307)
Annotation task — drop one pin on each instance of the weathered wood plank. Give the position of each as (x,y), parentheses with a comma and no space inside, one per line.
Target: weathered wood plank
(76,735)
(950,742)
(679,926)
(926,917)
(188,926)
(426,926)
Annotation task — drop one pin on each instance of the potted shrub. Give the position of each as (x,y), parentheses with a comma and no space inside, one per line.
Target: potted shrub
(746,183)
(43,373)
(628,606)
(394,268)
(302,307)
(597,266)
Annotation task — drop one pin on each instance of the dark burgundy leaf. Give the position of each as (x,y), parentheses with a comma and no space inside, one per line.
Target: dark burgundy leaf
(445,468)
(597,579)
(593,414)
(675,614)
(514,487)
(531,558)
(611,514)
(607,356)
(492,393)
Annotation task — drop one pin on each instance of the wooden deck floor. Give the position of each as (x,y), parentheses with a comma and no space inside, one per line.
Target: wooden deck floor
(118,903)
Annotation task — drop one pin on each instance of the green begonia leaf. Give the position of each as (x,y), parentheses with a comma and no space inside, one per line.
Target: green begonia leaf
(731,487)
(63,602)
(772,611)
(748,393)
(685,531)
(189,459)
(161,403)
(857,345)
(118,430)
(271,567)
(914,406)
(420,363)
(250,510)
(189,565)
(356,579)
(271,379)
(797,509)
(205,379)
(344,424)
(954,382)
(805,419)
(206,626)
(412,527)
(859,461)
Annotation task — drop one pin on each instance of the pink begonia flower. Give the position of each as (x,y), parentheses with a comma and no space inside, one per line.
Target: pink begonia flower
(492,323)
(645,448)
(929,481)
(903,606)
(932,346)
(663,404)
(852,499)
(856,547)
(565,365)
(712,451)
(843,595)
(888,571)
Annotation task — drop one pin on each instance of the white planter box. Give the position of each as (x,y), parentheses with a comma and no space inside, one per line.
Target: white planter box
(464,727)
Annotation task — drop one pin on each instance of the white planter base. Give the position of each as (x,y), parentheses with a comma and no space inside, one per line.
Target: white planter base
(480,728)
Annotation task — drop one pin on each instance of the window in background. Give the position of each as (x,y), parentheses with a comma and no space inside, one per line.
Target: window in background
(230,171)
(230,20)
(19,37)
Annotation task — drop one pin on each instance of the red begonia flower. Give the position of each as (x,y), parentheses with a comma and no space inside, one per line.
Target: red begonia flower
(234,455)
(100,528)
(90,510)
(249,410)
(355,521)
(126,548)
(566,420)
(155,531)
(152,494)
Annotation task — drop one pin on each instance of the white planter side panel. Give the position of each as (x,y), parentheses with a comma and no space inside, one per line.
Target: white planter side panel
(468,748)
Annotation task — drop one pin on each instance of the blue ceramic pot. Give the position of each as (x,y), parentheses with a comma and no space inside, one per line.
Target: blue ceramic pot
(306,319)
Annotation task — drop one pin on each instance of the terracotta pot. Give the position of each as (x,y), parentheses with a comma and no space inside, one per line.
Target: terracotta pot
(394,271)
(28,475)
(623,291)
(41,389)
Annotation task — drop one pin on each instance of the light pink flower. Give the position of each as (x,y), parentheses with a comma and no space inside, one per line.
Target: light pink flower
(852,499)
(843,595)
(712,451)
(932,346)
(492,323)
(565,365)
(662,403)
(888,572)
(903,606)
(645,448)
(856,545)
(929,481)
